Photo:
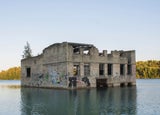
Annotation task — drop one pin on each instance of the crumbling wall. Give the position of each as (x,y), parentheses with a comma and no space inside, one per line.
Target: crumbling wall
(55,66)
(48,70)
(36,70)
(128,59)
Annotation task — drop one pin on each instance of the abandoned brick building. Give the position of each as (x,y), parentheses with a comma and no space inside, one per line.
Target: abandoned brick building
(77,65)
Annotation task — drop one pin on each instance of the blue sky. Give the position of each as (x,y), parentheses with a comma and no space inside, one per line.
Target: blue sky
(108,24)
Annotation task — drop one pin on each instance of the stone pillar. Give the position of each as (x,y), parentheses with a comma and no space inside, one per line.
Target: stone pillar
(94,70)
(125,73)
(105,53)
(81,69)
(70,69)
(116,70)
(81,51)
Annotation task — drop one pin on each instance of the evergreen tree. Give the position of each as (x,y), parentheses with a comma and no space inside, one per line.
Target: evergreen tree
(27,51)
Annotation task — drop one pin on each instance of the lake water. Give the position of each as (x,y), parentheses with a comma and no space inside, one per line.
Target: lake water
(144,99)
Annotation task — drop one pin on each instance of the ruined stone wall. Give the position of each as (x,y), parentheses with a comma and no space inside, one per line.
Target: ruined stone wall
(55,54)
(36,70)
(49,70)
(94,58)
(55,65)
(122,57)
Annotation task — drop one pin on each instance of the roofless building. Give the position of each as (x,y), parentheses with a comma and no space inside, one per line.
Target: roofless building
(78,65)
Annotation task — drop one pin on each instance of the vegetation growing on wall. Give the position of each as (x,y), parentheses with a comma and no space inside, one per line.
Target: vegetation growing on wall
(148,69)
(11,74)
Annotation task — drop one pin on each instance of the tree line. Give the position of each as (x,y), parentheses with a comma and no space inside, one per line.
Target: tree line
(148,69)
(144,70)
(11,74)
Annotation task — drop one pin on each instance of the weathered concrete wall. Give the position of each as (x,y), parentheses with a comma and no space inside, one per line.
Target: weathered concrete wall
(55,54)
(50,69)
(54,67)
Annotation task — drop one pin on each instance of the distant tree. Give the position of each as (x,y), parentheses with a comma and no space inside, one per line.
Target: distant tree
(27,51)
(11,73)
(148,69)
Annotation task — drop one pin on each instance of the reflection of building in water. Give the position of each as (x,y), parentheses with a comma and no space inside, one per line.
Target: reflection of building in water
(46,102)
(111,101)
(118,101)
(76,65)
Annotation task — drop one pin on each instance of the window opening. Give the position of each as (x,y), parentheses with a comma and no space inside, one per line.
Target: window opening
(122,69)
(28,71)
(76,70)
(110,69)
(86,52)
(76,51)
(101,69)
(129,69)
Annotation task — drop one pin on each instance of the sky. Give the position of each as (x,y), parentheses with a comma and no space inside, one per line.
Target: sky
(108,24)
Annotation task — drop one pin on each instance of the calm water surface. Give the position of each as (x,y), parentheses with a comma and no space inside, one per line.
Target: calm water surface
(144,99)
